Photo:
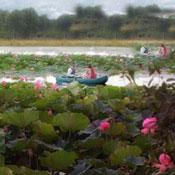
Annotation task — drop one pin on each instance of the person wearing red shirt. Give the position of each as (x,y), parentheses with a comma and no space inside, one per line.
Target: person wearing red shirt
(90,72)
(163,52)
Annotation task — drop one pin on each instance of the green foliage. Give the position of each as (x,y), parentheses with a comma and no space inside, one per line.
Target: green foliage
(110,92)
(71,121)
(44,131)
(117,129)
(2,160)
(23,170)
(24,93)
(2,141)
(54,100)
(20,119)
(72,141)
(86,23)
(5,171)
(59,160)
(122,153)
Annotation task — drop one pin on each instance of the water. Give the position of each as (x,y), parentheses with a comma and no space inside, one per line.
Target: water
(141,78)
(54,51)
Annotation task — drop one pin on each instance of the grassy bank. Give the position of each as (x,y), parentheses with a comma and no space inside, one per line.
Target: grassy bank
(102,42)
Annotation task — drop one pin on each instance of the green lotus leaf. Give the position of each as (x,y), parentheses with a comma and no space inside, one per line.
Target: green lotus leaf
(54,100)
(119,156)
(5,171)
(116,105)
(71,121)
(20,119)
(110,92)
(59,160)
(117,129)
(2,141)
(110,145)
(45,131)
(44,117)
(92,147)
(86,106)
(26,171)
(2,160)
(18,145)
(23,93)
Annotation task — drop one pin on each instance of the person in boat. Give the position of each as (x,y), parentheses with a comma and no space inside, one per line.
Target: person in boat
(71,71)
(163,51)
(90,72)
(144,50)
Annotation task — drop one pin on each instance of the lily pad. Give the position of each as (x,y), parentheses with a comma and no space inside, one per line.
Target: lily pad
(59,160)
(20,119)
(71,121)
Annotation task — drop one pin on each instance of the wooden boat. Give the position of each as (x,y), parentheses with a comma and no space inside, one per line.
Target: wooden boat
(90,82)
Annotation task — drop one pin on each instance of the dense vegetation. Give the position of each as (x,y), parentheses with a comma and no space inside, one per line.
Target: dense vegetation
(87,131)
(88,22)
(39,65)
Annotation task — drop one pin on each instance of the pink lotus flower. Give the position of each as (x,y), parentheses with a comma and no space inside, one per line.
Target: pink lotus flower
(22,78)
(54,87)
(104,126)
(165,163)
(38,85)
(4,83)
(149,125)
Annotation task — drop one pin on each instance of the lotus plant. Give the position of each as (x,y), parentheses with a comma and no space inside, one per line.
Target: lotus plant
(38,85)
(165,162)
(23,78)
(149,125)
(104,126)
(54,87)
(4,83)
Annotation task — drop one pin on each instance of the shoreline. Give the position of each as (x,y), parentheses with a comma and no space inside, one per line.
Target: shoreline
(85,42)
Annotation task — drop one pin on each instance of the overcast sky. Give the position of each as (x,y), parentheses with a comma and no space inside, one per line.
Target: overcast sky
(55,8)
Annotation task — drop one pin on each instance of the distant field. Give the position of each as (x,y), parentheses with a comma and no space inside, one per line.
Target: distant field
(49,42)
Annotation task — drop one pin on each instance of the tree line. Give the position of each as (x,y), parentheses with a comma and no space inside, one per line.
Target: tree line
(88,22)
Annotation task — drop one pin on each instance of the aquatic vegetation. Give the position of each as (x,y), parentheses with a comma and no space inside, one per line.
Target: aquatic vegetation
(85,130)
(30,64)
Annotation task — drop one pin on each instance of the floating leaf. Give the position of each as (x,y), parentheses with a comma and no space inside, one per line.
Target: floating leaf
(20,119)
(45,131)
(18,144)
(92,143)
(110,92)
(54,100)
(71,121)
(110,146)
(26,171)
(122,153)
(59,160)
(5,171)
(117,129)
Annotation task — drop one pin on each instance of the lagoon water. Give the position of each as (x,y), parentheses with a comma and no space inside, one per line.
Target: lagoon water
(55,51)
(141,78)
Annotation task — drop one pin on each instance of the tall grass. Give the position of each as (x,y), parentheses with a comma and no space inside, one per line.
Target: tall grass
(84,42)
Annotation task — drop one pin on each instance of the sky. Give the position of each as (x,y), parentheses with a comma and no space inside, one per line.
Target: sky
(55,8)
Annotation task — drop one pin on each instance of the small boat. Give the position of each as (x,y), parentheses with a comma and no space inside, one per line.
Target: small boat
(90,82)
